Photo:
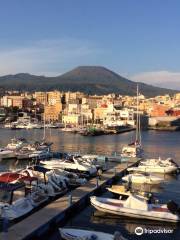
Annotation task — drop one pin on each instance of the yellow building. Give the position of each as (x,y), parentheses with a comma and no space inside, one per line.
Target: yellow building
(41,97)
(52,112)
(177,96)
(12,101)
(74,119)
(54,97)
(74,96)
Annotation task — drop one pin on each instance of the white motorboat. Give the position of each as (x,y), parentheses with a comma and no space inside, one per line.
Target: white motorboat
(99,161)
(15,144)
(135,207)
(32,125)
(123,193)
(142,178)
(72,178)
(50,182)
(12,206)
(35,195)
(71,164)
(133,150)
(5,154)
(158,168)
(157,161)
(77,234)
(40,154)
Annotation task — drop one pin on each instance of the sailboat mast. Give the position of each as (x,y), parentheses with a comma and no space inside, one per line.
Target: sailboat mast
(137,114)
(44,126)
(138,120)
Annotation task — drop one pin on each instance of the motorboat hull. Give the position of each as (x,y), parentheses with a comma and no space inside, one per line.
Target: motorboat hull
(116,207)
(76,234)
(142,179)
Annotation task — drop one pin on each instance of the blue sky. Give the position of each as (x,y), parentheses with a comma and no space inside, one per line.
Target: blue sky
(138,39)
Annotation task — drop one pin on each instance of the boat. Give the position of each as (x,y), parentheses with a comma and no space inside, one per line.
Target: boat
(40,154)
(136,207)
(158,168)
(32,125)
(99,161)
(122,193)
(15,144)
(71,164)
(52,183)
(142,178)
(134,149)
(73,179)
(35,194)
(157,161)
(11,204)
(6,154)
(77,234)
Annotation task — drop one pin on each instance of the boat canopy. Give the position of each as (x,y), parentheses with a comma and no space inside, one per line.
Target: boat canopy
(10,187)
(9,177)
(136,203)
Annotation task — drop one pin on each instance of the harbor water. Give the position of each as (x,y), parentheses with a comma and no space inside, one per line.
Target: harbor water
(155,144)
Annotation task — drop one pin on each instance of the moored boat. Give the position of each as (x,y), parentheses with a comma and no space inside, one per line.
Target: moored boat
(153,169)
(142,178)
(77,234)
(136,207)
(13,206)
(71,164)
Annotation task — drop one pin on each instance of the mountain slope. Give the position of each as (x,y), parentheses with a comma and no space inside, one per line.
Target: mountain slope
(88,79)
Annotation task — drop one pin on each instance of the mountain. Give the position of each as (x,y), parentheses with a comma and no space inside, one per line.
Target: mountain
(88,79)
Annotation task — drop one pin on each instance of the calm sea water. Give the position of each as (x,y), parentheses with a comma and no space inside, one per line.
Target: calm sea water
(164,144)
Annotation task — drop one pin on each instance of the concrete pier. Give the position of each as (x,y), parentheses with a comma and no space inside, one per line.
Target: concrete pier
(58,211)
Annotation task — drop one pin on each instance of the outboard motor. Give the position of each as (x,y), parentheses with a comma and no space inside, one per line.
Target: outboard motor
(173,207)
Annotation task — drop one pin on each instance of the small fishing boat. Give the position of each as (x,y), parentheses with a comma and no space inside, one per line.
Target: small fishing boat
(142,178)
(79,234)
(136,207)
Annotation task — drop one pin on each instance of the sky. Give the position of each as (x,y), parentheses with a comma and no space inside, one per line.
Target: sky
(137,39)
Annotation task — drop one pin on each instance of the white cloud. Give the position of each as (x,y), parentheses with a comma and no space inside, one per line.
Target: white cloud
(47,57)
(165,79)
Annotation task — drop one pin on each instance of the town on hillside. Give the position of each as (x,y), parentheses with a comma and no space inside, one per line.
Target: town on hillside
(79,112)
